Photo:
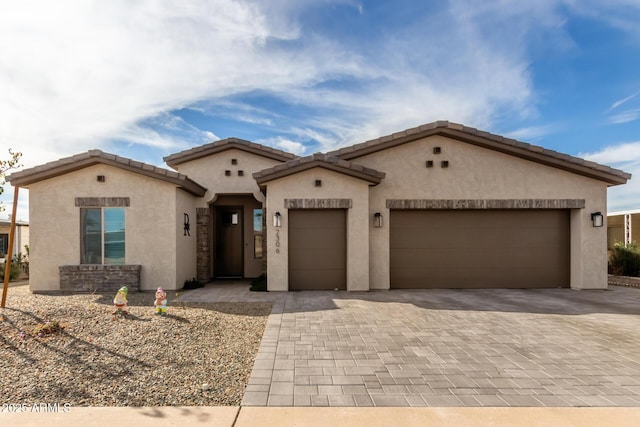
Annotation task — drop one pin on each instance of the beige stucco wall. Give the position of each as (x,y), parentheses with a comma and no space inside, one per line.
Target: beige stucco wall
(185,256)
(334,186)
(478,173)
(210,173)
(150,223)
(23,239)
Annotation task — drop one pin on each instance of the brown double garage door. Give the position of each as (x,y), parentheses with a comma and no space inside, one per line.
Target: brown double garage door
(479,248)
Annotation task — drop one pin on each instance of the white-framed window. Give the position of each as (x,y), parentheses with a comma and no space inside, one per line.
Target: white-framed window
(102,236)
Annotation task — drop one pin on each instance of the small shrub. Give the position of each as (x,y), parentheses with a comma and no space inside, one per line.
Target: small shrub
(15,271)
(625,260)
(21,261)
(259,284)
(192,284)
(47,328)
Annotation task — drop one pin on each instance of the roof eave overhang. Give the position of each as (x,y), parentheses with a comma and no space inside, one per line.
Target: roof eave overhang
(189,155)
(507,146)
(20,179)
(563,162)
(272,176)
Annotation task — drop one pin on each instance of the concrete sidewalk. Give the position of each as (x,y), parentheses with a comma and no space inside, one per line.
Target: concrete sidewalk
(234,416)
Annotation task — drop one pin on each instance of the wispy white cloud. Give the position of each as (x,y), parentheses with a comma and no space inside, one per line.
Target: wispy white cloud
(623,100)
(625,156)
(625,153)
(165,131)
(78,73)
(620,14)
(284,144)
(82,74)
(531,133)
(624,116)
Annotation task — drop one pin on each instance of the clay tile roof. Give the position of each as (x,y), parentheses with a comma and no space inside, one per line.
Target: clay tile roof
(487,140)
(227,144)
(322,161)
(65,165)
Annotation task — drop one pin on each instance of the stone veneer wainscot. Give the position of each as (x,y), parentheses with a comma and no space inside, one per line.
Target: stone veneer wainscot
(99,278)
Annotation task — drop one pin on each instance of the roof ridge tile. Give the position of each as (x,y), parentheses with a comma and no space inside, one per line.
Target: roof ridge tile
(537,153)
(227,143)
(91,157)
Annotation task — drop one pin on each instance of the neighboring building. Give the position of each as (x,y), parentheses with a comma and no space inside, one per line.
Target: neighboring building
(21,238)
(437,206)
(623,227)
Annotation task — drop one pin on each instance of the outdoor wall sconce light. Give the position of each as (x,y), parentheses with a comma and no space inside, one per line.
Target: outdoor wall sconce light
(277,219)
(377,220)
(597,218)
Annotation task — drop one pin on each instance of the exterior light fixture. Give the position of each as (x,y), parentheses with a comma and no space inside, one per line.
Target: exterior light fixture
(277,219)
(597,218)
(377,220)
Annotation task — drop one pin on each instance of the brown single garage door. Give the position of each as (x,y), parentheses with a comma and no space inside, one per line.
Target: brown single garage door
(317,249)
(479,249)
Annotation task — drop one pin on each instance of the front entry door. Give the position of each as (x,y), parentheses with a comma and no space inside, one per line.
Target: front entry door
(229,248)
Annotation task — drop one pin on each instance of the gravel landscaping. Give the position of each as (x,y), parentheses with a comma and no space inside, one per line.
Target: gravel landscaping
(71,349)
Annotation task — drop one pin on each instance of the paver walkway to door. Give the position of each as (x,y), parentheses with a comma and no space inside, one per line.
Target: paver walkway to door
(490,347)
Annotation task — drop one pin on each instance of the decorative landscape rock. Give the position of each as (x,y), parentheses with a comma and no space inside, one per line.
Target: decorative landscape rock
(142,360)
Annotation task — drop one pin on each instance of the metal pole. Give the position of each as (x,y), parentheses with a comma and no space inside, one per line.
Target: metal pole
(12,233)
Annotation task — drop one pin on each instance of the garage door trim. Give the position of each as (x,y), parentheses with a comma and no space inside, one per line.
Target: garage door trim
(451,204)
(479,248)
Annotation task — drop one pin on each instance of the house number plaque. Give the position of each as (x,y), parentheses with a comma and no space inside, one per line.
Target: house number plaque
(277,241)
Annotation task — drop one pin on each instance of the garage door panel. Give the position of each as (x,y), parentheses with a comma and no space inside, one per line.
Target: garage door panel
(316,258)
(316,218)
(477,278)
(317,249)
(455,257)
(316,238)
(457,249)
(443,258)
(491,238)
(321,279)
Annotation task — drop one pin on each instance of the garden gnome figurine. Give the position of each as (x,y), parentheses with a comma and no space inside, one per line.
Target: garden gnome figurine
(161,302)
(120,301)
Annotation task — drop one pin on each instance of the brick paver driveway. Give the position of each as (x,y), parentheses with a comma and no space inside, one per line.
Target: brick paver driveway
(487,347)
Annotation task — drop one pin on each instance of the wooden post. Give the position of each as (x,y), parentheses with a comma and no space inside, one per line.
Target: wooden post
(12,234)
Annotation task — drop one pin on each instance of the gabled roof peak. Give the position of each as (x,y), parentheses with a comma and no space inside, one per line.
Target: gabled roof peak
(92,157)
(318,160)
(487,140)
(226,144)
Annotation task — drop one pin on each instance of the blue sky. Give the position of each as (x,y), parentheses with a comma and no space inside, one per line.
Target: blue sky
(149,78)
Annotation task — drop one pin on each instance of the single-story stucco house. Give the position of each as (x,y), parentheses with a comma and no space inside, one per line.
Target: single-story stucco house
(437,206)
(20,240)
(623,227)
